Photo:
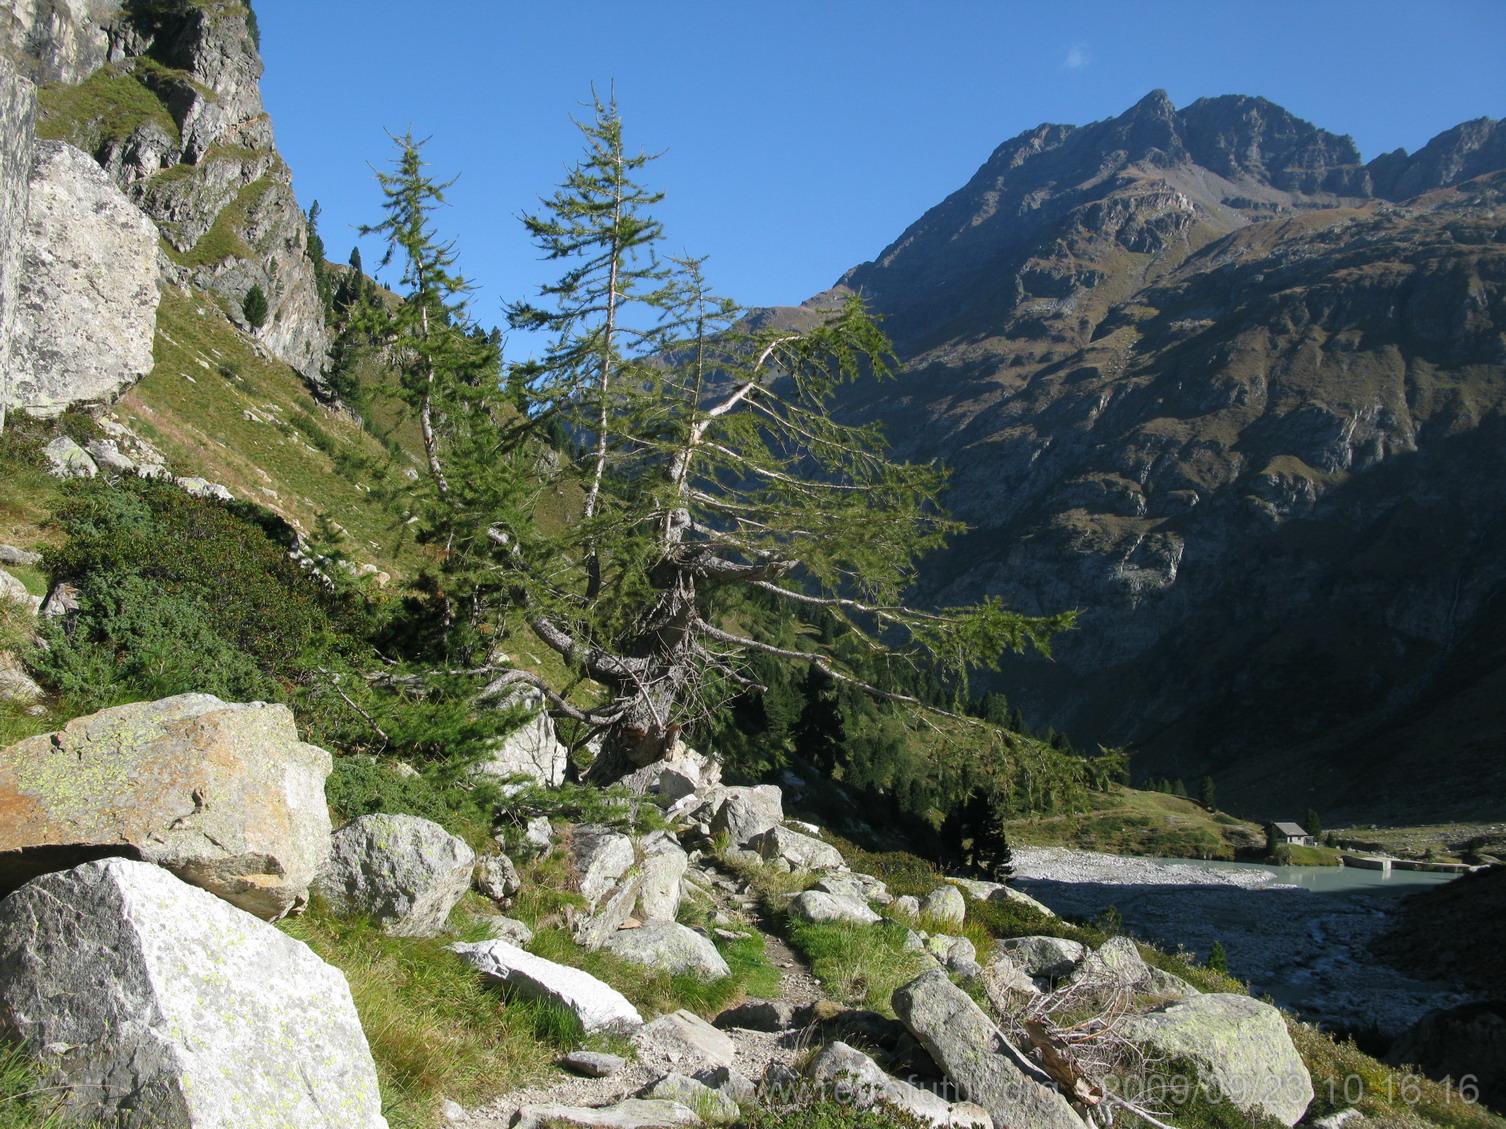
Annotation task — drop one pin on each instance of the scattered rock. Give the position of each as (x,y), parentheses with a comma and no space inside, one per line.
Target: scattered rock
(403,872)
(798,850)
(172,1008)
(507,929)
(759,1015)
(965,1043)
(945,905)
(848,1075)
(598,1006)
(713,1106)
(203,488)
(1050,957)
(593,1064)
(670,947)
(497,878)
(10,555)
(907,905)
(632,1113)
(817,907)
(687,1041)
(1239,1045)
(739,1087)
(106,453)
(222,794)
(746,813)
(66,459)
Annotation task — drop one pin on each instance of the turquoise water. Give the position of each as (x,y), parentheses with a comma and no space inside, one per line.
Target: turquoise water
(1331,879)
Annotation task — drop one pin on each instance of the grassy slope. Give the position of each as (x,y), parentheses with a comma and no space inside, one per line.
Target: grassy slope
(1130,822)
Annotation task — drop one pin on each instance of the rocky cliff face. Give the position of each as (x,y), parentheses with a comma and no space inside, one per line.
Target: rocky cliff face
(17,110)
(1237,396)
(164,95)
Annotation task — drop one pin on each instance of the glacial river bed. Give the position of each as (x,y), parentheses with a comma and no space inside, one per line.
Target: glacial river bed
(1297,934)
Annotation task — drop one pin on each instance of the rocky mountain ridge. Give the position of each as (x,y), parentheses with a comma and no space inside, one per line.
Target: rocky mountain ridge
(1206,376)
(164,97)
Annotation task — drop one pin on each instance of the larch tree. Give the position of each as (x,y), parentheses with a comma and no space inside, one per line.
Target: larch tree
(700,460)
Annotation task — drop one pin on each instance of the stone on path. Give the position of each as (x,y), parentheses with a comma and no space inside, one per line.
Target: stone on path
(598,1006)
(1240,1045)
(713,1106)
(801,851)
(685,1041)
(965,1043)
(222,794)
(593,1064)
(746,813)
(632,1113)
(404,872)
(669,947)
(173,1009)
(849,1075)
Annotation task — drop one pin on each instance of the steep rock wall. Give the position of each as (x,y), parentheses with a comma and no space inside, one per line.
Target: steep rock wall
(87,308)
(17,110)
(183,132)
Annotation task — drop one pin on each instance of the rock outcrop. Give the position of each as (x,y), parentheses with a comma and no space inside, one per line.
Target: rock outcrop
(156,1004)
(224,795)
(88,296)
(17,112)
(165,98)
(532,750)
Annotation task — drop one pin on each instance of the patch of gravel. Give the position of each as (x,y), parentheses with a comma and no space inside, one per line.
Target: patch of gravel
(1061,864)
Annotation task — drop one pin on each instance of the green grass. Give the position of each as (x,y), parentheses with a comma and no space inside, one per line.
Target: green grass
(1126,821)
(860,965)
(1294,855)
(435,1031)
(26,1101)
(109,105)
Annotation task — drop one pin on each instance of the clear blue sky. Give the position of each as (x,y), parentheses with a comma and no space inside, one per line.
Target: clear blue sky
(799,137)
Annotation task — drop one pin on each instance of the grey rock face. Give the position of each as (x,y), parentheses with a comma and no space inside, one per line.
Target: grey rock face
(87,307)
(1240,1045)
(531,750)
(746,813)
(66,459)
(404,872)
(1117,964)
(497,878)
(17,110)
(10,555)
(966,1044)
(598,1006)
(801,851)
(223,795)
(669,947)
(178,1010)
(815,906)
(60,40)
(759,1015)
(600,857)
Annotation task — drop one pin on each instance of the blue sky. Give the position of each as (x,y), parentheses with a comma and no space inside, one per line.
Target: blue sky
(799,137)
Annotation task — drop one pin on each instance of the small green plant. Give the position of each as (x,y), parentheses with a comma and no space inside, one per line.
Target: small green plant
(1218,958)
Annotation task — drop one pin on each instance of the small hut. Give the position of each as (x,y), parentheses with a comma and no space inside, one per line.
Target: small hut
(1290,833)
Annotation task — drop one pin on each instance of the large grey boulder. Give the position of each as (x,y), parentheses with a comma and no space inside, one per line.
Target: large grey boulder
(167,1007)
(670,947)
(600,858)
(87,307)
(803,852)
(821,908)
(1239,1045)
(965,1043)
(224,795)
(746,813)
(403,872)
(848,1075)
(598,1006)
(532,750)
